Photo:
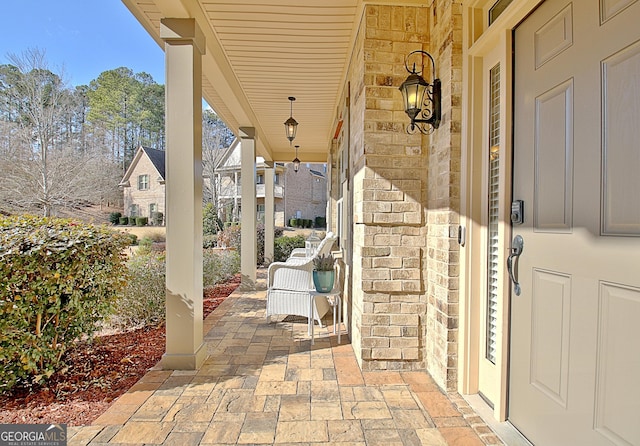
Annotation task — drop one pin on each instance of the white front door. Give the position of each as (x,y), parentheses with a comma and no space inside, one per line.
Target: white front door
(575,327)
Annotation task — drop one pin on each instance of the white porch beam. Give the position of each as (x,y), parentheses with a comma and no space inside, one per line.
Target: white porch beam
(248,238)
(184,46)
(269,213)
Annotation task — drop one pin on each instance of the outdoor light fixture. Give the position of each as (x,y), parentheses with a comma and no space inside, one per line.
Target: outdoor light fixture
(291,125)
(296,162)
(421,99)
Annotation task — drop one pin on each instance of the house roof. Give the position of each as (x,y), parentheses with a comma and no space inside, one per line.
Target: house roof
(317,173)
(155,156)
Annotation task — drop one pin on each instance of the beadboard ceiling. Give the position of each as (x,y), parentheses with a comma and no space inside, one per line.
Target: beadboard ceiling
(260,52)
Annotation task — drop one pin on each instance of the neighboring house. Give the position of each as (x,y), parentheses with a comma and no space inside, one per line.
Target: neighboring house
(144,186)
(301,194)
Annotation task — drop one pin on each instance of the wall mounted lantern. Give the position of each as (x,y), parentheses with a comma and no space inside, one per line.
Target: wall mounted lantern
(296,161)
(291,125)
(421,99)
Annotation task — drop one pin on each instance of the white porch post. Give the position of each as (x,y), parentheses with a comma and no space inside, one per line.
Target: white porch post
(248,217)
(269,212)
(235,211)
(184,46)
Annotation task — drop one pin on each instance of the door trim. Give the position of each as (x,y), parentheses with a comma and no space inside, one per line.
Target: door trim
(479,40)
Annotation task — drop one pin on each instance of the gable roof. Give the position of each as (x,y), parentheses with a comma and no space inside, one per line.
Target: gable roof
(155,156)
(316,173)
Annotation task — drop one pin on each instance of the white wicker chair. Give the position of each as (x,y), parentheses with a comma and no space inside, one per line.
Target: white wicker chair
(323,248)
(289,284)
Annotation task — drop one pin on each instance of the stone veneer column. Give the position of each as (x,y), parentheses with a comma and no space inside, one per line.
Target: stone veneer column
(184,46)
(248,248)
(390,184)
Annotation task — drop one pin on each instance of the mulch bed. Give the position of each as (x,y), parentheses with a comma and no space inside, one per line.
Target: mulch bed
(97,373)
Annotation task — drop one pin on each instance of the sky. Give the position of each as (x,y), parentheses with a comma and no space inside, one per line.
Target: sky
(83,37)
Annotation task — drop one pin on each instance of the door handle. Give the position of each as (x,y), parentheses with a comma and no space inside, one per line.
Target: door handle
(516,249)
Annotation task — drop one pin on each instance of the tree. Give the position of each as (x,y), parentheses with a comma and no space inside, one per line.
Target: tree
(216,138)
(127,109)
(45,165)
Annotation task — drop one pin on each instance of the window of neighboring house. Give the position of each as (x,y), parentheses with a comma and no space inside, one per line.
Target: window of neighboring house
(143,182)
(261,213)
(153,208)
(134,210)
(260,179)
(276,178)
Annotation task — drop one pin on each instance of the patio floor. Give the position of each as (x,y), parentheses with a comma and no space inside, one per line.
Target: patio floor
(266,384)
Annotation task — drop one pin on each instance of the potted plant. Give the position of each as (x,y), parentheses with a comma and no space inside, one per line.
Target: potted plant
(323,273)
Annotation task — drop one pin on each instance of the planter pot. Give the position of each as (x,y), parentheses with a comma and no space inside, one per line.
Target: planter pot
(323,280)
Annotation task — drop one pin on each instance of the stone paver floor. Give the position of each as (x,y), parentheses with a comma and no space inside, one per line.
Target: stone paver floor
(266,384)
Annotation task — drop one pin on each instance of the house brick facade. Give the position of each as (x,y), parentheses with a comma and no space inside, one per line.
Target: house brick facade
(405,195)
(140,201)
(305,192)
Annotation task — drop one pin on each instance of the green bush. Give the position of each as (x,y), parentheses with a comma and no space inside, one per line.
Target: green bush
(131,238)
(58,280)
(211,224)
(219,266)
(142,300)
(142,221)
(284,245)
(321,222)
(144,246)
(114,218)
(157,218)
(209,241)
(293,222)
(123,220)
(132,221)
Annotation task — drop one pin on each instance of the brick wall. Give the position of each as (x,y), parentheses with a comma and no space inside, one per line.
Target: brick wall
(406,196)
(389,183)
(304,192)
(143,198)
(444,200)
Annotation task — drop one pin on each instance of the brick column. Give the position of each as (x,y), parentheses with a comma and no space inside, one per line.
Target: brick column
(389,196)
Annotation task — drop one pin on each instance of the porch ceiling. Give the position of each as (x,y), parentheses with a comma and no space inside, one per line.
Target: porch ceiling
(260,52)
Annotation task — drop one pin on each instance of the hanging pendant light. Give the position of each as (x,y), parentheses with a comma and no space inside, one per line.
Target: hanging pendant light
(296,161)
(291,125)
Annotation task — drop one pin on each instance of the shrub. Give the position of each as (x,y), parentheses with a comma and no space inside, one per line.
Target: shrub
(131,238)
(142,300)
(114,218)
(155,236)
(219,266)
(142,221)
(144,246)
(293,222)
(59,280)
(284,246)
(123,220)
(209,241)
(230,237)
(157,218)
(211,224)
(321,222)
(132,221)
